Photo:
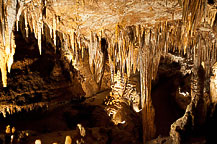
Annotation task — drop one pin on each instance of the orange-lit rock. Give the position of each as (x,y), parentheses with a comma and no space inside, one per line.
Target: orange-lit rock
(104,44)
(213,84)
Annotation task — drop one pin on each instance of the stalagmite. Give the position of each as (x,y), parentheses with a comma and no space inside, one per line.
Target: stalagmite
(81,129)
(3,73)
(68,140)
(37,141)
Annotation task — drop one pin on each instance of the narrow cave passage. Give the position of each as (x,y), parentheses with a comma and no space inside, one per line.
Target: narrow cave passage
(164,91)
(166,111)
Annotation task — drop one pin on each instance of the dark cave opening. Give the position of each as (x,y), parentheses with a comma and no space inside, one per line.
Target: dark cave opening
(211,1)
(27,51)
(48,68)
(168,106)
(211,126)
(215,24)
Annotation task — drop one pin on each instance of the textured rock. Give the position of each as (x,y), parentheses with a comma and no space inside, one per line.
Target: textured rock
(37,141)
(37,82)
(213,85)
(132,36)
(68,140)
(196,111)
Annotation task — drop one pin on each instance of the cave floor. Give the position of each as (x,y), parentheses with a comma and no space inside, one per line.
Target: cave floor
(55,123)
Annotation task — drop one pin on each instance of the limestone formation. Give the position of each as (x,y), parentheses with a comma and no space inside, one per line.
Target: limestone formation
(81,129)
(68,140)
(125,40)
(37,141)
(213,85)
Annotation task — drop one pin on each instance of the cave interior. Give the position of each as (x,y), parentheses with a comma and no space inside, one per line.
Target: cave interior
(108,72)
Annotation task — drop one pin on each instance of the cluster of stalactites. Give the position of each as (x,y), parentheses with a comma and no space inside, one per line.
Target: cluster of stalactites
(96,56)
(210,15)
(7,109)
(123,50)
(124,90)
(197,33)
(74,44)
(33,13)
(7,42)
(33,18)
(192,14)
(195,13)
(140,48)
(8,17)
(204,48)
(74,47)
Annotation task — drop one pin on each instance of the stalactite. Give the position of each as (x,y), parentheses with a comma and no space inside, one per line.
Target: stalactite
(40,29)
(11,16)
(7,42)
(72,41)
(20,10)
(51,31)
(3,72)
(6,109)
(91,51)
(210,15)
(11,54)
(82,52)
(54,30)
(76,49)
(26,23)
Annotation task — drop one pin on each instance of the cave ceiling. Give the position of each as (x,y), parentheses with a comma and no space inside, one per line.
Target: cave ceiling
(84,22)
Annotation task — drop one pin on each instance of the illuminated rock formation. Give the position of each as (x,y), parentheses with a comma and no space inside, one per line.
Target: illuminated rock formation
(68,140)
(38,142)
(136,35)
(213,85)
